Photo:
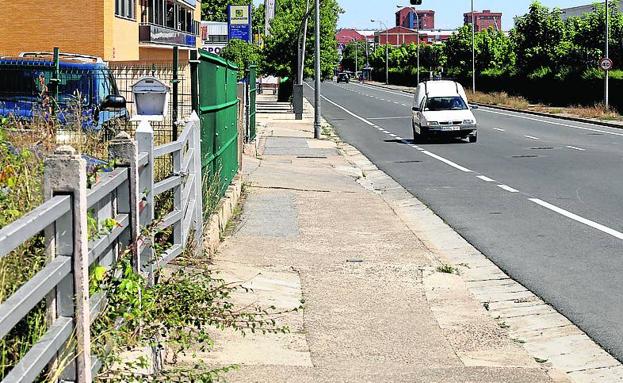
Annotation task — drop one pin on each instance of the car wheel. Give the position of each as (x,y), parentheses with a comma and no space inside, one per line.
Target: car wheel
(473,138)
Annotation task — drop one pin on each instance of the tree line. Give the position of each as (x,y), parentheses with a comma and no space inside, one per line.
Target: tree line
(541,45)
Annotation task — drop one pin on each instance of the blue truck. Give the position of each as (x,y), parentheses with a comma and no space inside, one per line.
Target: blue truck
(29,89)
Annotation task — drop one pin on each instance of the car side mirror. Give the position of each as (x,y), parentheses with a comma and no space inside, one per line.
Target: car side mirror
(473,106)
(415,109)
(113,102)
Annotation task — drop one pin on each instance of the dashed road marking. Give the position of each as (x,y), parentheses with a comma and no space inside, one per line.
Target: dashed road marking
(576,148)
(532,137)
(501,130)
(508,188)
(485,178)
(575,217)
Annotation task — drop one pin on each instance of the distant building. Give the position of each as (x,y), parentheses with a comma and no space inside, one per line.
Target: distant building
(346,35)
(406,17)
(483,20)
(580,11)
(397,36)
(214,36)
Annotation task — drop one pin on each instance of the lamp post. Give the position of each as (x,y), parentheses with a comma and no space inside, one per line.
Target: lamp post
(417,20)
(382,24)
(356,55)
(606,84)
(474,50)
(318,74)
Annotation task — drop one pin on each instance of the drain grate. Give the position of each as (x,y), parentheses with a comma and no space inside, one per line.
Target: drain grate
(595,134)
(525,156)
(542,148)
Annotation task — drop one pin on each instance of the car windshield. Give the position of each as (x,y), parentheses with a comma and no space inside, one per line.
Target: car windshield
(33,84)
(445,103)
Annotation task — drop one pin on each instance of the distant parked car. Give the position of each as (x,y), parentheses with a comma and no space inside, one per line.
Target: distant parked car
(27,89)
(440,108)
(343,77)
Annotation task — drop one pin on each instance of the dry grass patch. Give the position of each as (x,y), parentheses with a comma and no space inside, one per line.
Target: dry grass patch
(501,99)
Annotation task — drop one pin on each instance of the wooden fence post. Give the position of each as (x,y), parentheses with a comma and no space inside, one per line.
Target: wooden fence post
(124,152)
(65,173)
(145,144)
(195,125)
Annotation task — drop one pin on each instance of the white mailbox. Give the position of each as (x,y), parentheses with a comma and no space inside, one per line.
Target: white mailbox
(152,99)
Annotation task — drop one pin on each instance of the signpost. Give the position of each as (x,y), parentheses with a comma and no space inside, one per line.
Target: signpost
(239,22)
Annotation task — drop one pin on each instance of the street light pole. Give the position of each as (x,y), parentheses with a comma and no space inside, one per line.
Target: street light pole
(417,18)
(318,74)
(474,50)
(382,25)
(607,85)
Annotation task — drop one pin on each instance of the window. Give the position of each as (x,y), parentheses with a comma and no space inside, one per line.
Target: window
(125,8)
(445,103)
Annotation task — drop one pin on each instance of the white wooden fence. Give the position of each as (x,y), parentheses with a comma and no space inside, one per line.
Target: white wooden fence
(126,194)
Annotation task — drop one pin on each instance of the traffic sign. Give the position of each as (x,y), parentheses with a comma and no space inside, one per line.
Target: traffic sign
(605,63)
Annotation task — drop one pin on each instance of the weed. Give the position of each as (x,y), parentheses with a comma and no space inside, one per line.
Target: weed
(486,305)
(539,360)
(503,325)
(448,269)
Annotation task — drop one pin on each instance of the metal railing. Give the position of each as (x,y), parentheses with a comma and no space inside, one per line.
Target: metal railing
(126,195)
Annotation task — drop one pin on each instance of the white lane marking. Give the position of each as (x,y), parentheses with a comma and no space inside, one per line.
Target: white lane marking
(439,158)
(386,91)
(447,162)
(485,178)
(393,135)
(389,118)
(344,109)
(508,188)
(531,137)
(501,130)
(576,148)
(577,218)
(553,123)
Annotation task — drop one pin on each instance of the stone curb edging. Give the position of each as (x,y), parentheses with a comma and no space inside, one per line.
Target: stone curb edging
(564,350)
(217,222)
(531,112)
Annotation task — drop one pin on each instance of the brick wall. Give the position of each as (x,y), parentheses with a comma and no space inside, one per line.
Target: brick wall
(75,26)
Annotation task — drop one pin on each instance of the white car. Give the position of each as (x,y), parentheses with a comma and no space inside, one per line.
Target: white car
(440,108)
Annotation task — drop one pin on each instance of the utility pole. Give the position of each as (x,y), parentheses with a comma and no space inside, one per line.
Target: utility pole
(474,49)
(607,85)
(318,74)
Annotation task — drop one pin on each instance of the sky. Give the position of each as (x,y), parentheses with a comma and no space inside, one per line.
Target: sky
(448,13)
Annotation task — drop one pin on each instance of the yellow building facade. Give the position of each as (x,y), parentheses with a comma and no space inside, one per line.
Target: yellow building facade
(115,30)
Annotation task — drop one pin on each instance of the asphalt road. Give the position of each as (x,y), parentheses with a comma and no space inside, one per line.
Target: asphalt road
(541,197)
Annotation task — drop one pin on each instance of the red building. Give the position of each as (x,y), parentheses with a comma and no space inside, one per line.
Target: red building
(398,36)
(346,36)
(406,17)
(483,20)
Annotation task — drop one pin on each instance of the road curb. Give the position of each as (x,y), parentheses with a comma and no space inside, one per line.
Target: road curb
(565,351)
(542,114)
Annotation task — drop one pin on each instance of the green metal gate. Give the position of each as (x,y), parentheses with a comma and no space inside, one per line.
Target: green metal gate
(216,103)
(252,87)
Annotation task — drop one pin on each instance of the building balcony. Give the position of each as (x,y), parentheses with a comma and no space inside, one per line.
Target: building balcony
(161,35)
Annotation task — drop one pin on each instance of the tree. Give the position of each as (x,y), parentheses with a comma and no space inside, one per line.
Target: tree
(281,47)
(540,40)
(348,56)
(216,10)
(242,53)
(494,51)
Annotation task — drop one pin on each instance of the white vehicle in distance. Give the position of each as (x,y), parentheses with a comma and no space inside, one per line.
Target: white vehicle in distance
(441,109)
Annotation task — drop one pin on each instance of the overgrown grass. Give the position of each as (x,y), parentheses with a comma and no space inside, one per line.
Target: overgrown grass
(23,148)
(597,111)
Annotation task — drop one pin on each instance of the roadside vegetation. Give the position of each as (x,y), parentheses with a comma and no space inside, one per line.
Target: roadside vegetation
(544,59)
